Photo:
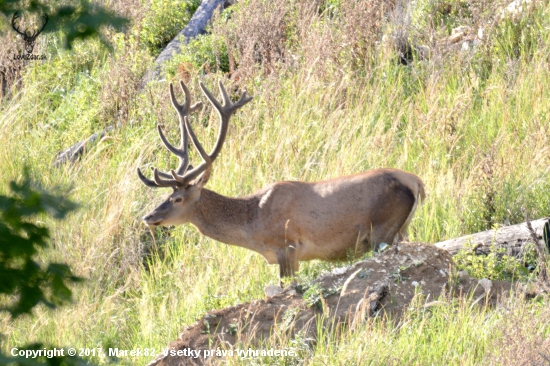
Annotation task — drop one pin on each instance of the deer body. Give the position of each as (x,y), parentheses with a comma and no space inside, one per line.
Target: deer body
(288,222)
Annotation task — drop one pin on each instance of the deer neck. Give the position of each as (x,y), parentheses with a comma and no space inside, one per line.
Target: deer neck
(226,219)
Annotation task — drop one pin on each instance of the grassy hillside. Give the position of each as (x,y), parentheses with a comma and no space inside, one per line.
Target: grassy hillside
(331,97)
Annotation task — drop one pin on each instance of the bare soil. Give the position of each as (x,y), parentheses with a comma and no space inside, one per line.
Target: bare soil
(381,286)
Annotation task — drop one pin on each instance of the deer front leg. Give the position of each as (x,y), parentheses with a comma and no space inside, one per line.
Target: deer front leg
(288,263)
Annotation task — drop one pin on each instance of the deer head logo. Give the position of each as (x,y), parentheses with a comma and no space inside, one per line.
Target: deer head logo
(27,36)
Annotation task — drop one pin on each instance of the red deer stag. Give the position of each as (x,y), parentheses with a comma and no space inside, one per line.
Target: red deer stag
(286,222)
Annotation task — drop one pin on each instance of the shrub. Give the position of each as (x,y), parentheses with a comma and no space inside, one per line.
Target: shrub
(496,265)
(279,35)
(205,53)
(164,20)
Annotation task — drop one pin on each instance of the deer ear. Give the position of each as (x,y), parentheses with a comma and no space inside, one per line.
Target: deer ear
(201,181)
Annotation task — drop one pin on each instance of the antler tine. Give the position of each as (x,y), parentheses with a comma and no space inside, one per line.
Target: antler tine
(185,108)
(229,106)
(210,97)
(242,100)
(15,28)
(196,142)
(166,143)
(224,112)
(148,182)
(162,174)
(187,93)
(181,153)
(46,18)
(164,182)
(173,99)
(158,181)
(225,96)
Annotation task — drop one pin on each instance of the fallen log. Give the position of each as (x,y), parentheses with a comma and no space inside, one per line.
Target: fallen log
(72,153)
(513,238)
(196,26)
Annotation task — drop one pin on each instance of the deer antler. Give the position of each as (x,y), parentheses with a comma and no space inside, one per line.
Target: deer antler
(24,34)
(163,179)
(45,16)
(15,28)
(179,177)
(225,112)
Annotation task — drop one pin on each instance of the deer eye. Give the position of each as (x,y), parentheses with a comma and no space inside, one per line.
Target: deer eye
(178,200)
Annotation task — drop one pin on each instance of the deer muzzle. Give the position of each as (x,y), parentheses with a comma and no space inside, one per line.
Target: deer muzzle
(151,221)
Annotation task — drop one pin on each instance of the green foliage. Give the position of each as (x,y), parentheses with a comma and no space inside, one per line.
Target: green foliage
(205,53)
(21,238)
(164,20)
(517,37)
(315,294)
(77,21)
(397,274)
(496,265)
(26,282)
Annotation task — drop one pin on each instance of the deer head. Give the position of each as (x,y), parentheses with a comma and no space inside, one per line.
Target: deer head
(187,184)
(28,37)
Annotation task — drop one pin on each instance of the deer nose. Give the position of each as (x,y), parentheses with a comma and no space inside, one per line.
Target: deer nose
(149,220)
